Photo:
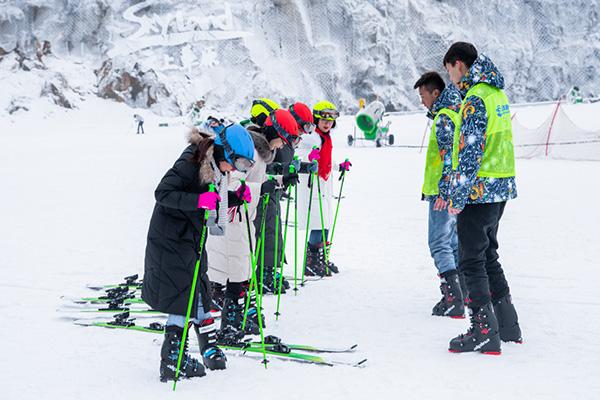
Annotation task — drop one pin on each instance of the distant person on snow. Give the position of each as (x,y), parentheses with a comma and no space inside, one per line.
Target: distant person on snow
(173,244)
(140,123)
(443,103)
(484,180)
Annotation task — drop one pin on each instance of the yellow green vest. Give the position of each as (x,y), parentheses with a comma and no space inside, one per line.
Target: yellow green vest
(434,164)
(498,159)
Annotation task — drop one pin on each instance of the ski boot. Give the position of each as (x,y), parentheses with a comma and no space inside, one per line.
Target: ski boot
(270,284)
(230,337)
(332,267)
(452,304)
(252,317)
(483,334)
(169,354)
(212,356)
(285,284)
(218,297)
(232,317)
(507,320)
(321,258)
(313,265)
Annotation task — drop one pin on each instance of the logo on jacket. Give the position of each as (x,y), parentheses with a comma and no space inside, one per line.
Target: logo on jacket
(502,110)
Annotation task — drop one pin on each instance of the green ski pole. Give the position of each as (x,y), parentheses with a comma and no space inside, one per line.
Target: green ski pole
(312,175)
(282,258)
(254,260)
(295,240)
(325,251)
(337,208)
(259,297)
(211,188)
(276,247)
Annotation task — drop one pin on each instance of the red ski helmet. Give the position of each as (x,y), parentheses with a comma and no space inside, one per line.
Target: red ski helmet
(303,116)
(285,125)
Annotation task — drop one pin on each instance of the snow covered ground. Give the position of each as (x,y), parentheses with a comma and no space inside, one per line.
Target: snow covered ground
(77,195)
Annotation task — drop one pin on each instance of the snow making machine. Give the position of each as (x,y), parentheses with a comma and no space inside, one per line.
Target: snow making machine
(369,122)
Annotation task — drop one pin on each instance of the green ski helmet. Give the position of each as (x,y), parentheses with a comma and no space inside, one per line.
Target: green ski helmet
(325,110)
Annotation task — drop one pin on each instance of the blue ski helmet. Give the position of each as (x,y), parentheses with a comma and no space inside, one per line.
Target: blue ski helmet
(238,146)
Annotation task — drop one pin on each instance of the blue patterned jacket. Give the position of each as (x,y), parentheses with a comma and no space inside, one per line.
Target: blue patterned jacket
(466,186)
(444,131)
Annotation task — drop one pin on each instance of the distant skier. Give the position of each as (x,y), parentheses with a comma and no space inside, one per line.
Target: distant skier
(174,240)
(140,123)
(443,103)
(484,180)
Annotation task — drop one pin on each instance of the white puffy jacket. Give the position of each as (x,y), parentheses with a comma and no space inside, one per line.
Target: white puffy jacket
(229,255)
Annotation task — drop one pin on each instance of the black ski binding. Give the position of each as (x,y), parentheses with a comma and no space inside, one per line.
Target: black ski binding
(157,326)
(122,320)
(272,339)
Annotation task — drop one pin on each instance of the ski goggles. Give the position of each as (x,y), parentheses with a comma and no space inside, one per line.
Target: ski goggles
(242,164)
(328,114)
(213,122)
(308,127)
(292,140)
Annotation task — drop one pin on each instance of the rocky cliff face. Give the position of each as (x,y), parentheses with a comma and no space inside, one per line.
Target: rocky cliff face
(165,54)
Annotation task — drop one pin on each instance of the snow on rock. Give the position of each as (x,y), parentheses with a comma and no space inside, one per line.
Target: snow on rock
(230,52)
(62,83)
(138,87)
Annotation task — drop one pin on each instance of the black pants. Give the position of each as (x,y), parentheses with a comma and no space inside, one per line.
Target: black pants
(140,127)
(477,227)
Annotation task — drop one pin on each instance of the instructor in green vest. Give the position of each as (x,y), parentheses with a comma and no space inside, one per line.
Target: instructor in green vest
(483,181)
(442,103)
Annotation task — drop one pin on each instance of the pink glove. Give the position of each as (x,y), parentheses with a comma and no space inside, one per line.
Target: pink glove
(208,200)
(345,166)
(243,193)
(314,155)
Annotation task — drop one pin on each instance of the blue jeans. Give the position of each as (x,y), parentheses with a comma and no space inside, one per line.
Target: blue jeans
(179,320)
(443,240)
(316,236)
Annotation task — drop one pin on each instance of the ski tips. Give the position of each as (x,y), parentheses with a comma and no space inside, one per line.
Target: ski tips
(361,363)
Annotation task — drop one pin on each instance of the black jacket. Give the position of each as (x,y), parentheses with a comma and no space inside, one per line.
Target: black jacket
(174,237)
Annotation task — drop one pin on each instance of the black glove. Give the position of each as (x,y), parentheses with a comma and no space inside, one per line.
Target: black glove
(308,167)
(290,178)
(268,187)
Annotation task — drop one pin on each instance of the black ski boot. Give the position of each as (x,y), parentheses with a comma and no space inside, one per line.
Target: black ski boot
(270,284)
(285,284)
(332,267)
(321,257)
(212,356)
(507,320)
(218,298)
(232,317)
(313,266)
(452,304)
(483,334)
(169,353)
(252,317)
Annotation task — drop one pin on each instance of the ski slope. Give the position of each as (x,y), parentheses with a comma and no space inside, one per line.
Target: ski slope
(77,195)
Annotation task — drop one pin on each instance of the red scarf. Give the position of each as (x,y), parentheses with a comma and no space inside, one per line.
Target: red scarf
(325,155)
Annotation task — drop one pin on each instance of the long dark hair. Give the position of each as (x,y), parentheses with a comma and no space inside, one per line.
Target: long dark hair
(202,147)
